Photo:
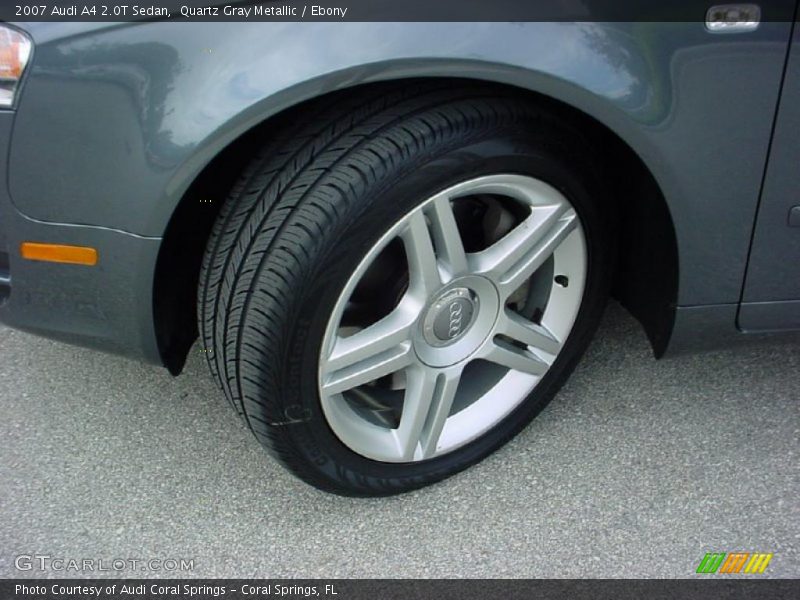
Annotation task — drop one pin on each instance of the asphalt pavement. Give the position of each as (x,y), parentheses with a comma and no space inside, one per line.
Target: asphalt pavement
(637,469)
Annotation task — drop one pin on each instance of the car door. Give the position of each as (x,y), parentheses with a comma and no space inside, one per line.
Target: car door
(771,295)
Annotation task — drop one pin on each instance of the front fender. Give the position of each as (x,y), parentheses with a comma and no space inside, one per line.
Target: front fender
(115,124)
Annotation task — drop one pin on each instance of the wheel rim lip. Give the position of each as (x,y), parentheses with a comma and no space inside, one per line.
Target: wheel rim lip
(512,389)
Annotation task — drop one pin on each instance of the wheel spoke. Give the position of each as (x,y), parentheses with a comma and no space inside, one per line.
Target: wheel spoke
(423,271)
(429,398)
(447,236)
(510,356)
(516,256)
(378,350)
(520,329)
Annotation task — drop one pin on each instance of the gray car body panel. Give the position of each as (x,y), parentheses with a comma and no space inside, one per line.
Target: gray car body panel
(771,297)
(105,307)
(115,123)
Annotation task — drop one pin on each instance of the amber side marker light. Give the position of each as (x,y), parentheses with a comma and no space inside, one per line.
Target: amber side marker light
(74,255)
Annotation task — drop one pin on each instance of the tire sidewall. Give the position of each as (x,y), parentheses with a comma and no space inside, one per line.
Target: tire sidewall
(403,188)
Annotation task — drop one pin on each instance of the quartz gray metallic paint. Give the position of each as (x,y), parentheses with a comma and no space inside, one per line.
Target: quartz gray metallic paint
(771,297)
(115,122)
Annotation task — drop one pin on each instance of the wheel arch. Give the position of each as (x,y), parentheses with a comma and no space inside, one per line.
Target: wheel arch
(646,279)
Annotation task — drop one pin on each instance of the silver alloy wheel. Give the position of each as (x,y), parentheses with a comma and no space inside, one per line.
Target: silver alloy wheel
(455,315)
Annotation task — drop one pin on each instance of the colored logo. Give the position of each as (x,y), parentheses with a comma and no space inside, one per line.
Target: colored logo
(734,562)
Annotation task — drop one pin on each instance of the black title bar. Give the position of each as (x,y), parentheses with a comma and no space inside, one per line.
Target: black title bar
(397,589)
(375,10)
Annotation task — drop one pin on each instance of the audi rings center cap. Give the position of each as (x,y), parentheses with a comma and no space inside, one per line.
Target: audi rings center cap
(450,316)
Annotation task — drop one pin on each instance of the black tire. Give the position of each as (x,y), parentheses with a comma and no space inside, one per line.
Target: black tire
(305,212)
